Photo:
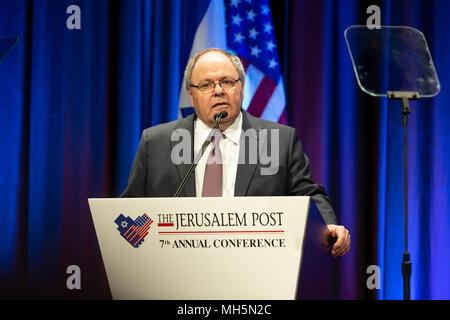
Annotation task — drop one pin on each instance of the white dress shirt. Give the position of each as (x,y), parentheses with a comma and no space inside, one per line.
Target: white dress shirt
(229,147)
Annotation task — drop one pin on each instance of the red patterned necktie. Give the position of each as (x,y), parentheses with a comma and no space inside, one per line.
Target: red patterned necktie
(212,181)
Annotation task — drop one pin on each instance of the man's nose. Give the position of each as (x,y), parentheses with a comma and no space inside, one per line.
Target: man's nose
(218,89)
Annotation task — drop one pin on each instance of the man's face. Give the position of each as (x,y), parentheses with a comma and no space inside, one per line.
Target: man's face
(215,66)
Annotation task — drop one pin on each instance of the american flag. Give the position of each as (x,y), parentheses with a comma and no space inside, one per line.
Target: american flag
(249,33)
(134,231)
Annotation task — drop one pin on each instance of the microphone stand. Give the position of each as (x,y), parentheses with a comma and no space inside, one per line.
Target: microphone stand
(199,155)
(406,264)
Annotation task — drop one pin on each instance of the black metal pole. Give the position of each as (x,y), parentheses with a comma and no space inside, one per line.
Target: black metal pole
(404,96)
(406,264)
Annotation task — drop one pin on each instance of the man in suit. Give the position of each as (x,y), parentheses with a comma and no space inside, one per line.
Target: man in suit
(215,83)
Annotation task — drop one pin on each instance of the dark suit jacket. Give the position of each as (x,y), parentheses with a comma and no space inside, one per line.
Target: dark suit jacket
(155,175)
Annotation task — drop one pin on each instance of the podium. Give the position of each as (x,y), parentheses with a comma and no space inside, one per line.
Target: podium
(242,248)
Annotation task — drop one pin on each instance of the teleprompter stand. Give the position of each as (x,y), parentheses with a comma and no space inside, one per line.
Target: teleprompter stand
(404,96)
(394,62)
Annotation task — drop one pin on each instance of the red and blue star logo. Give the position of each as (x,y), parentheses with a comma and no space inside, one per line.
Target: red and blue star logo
(134,231)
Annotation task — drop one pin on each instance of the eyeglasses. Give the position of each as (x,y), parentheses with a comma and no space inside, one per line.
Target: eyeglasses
(208,85)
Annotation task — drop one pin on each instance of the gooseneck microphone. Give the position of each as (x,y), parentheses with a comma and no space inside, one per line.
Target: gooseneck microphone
(217,117)
(221,115)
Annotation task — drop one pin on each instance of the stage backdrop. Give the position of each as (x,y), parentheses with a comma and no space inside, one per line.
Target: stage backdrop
(73,103)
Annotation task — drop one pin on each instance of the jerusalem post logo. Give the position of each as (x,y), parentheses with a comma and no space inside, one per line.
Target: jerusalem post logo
(133,231)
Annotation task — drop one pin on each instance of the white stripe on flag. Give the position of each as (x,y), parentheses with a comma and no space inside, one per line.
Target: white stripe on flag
(210,33)
(253,78)
(276,104)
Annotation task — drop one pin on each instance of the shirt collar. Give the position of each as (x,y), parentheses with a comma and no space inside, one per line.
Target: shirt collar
(233,132)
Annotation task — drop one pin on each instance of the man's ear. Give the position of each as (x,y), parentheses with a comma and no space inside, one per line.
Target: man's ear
(189,92)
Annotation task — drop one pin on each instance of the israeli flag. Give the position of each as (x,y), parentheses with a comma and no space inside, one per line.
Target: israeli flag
(211,32)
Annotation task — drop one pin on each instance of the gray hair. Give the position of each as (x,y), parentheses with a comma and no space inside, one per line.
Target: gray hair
(191,64)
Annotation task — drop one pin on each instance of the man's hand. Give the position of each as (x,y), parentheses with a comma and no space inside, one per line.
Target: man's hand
(342,244)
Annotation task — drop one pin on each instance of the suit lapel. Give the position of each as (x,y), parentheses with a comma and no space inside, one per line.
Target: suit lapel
(189,188)
(246,170)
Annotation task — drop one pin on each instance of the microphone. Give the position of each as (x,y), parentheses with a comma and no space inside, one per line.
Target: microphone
(218,116)
(222,114)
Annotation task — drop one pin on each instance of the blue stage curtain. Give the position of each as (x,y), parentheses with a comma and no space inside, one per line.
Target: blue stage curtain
(14,146)
(428,170)
(73,104)
(355,145)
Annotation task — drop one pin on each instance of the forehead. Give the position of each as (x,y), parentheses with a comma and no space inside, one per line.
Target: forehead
(213,64)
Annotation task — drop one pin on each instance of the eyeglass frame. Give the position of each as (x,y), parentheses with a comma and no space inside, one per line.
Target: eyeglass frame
(217,82)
